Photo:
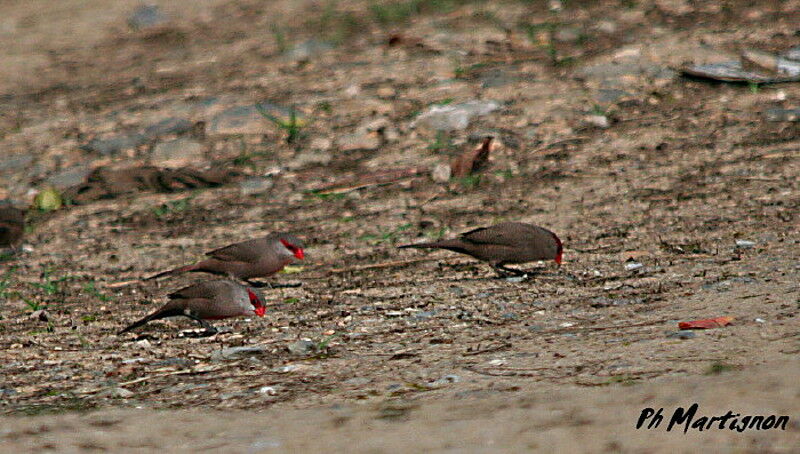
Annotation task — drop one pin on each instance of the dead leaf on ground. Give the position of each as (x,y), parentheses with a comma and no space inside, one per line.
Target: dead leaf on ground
(708,323)
(472,161)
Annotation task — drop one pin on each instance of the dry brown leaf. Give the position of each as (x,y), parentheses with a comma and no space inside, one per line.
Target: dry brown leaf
(472,161)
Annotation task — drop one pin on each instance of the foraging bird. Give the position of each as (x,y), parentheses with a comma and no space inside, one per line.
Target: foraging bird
(501,244)
(12,225)
(261,257)
(210,300)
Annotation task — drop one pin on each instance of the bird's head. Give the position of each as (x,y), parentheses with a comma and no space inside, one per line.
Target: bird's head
(258,304)
(559,250)
(293,245)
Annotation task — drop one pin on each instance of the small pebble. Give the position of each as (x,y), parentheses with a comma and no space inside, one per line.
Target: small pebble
(40,315)
(601,121)
(633,266)
(745,244)
(269,390)
(517,278)
(684,334)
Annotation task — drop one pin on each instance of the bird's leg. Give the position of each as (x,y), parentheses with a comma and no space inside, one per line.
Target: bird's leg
(209,329)
(503,271)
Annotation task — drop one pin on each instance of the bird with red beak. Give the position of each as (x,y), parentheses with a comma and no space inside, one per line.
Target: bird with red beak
(260,257)
(502,244)
(210,300)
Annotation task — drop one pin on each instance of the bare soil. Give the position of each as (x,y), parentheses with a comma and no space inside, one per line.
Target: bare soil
(410,351)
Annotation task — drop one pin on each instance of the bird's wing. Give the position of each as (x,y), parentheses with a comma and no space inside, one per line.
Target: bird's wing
(246,251)
(200,290)
(505,234)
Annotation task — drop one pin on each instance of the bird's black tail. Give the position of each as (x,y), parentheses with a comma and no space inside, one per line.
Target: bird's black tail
(444,244)
(150,318)
(180,269)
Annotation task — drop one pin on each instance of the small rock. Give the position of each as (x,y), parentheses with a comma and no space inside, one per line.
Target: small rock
(307,49)
(496,78)
(510,316)
(793,53)
(675,7)
(172,362)
(386,92)
(144,343)
(15,162)
(288,368)
(683,334)
(606,26)
(567,34)
(782,114)
(169,126)
(255,185)
(622,74)
(441,173)
(422,315)
(632,266)
(310,158)
(40,315)
(454,116)
(67,178)
(359,141)
(516,279)
(321,144)
(601,121)
(249,120)
(352,91)
(759,320)
(117,393)
(181,152)
(745,244)
(610,95)
(446,380)
(268,390)
(146,16)
(114,145)
(302,347)
(604,301)
(357,381)
(247,351)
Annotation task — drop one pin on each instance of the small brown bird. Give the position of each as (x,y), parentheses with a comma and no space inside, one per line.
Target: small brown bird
(261,257)
(501,244)
(210,300)
(12,225)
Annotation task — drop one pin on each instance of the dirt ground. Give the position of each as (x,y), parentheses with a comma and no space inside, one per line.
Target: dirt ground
(599,139)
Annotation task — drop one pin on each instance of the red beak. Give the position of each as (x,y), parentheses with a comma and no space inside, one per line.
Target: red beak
(299,253)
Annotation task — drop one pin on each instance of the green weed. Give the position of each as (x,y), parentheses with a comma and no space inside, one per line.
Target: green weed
(292,125)
(442,143)
(91,290)
(176,206)
(385,235)
(719,367)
